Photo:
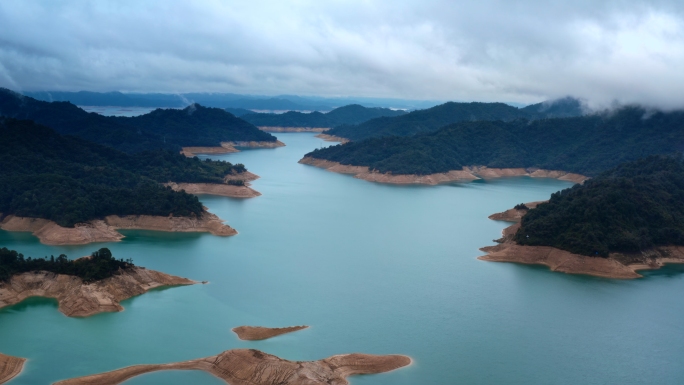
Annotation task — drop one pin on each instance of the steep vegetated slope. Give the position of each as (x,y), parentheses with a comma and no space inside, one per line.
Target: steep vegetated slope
(585,145)
(160,129)
(69,180)
(351,114)
(630,208)
(431,119)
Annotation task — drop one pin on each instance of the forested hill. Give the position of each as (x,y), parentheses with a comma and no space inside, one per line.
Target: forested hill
(69,180)
(351,114)
(586,145)
(434,118)
(630,208)
(166,129)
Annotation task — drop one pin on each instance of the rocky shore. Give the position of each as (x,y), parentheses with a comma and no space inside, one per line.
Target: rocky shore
(617,265)
(253,367)
(105,230)
(293,129)
(228,147)
(78,299)
(10,367)
(225,190)
(332,138)
(255,333)
(466,174)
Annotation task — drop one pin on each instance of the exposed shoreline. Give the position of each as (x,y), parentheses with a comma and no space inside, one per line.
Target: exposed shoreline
(256,333)
(10,367)
(77,299)
(253,367)
(617,265)
(293,129)
(466,174)
(105,230)
(225,190)
(228,147)
(332,138)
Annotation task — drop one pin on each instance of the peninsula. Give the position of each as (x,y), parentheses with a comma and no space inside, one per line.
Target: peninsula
(83,287)
(229,147)
(254,333)
(586,145)
(49,183)
(464,175)
(10,367)
(624,220)
(253,367)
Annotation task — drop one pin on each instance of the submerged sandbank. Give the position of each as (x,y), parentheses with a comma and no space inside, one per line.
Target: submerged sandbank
(466,174)
(77,299)
(105,230)
(10,367)
(228,147)
(255,333)
(617,265)
(293,129)
(253,367)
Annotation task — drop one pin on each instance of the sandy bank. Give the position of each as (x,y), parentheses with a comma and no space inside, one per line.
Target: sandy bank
(293,129)
(105,230)
(513,215)
(466,174)
(332,138)
(10,367)
(225,190)
(252,367)
(77,299)
(228,147)
(617,265)
(254,333)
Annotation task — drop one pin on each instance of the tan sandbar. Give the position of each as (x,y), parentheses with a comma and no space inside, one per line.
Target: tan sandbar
(254,333)
(253,367)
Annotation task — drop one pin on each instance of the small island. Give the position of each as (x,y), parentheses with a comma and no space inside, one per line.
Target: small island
(10,367)
(253,367)
(83,287)
(255,333)
(627,219)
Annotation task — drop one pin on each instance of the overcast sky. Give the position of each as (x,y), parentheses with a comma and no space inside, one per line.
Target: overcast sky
(512,51)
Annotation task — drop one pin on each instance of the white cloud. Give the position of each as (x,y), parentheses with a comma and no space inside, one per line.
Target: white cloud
(523,51)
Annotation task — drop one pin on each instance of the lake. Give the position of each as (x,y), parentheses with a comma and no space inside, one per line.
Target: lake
(372,268)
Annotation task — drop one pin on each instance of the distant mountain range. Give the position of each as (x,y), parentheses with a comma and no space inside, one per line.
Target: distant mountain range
(431,119)
(166,129)
(219,100)
(586,145)
(351,114)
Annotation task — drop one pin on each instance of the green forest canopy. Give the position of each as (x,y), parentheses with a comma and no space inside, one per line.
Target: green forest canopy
(69,180)
(168,129)
(351,114)
(586,145)
(99,265)
(630,208)
(431,119)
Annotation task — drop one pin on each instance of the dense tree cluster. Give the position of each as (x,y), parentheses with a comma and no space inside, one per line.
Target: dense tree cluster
(586,145)
(630,208)
(99,265)
(431,119)
(351,114)
(168,129)
(69,180)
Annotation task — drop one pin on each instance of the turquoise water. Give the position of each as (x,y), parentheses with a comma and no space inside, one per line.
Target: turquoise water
(372,268)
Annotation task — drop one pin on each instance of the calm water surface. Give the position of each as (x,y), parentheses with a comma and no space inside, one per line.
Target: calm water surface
(372,268)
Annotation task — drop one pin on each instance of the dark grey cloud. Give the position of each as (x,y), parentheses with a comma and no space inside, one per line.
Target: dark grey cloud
(516,51)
